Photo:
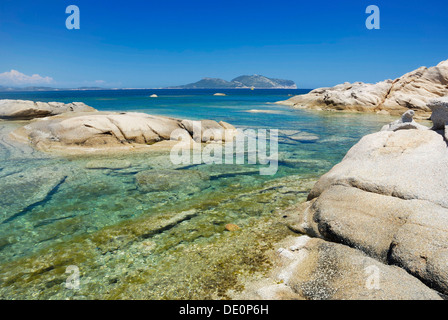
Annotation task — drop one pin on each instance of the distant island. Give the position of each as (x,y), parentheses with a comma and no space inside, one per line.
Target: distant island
(241,82)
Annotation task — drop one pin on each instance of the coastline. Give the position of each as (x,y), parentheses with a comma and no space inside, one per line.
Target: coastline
(37,270)
(136,236)
(374,227)
(412,91)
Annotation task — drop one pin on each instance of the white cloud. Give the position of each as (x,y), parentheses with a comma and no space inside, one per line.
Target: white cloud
(14,77)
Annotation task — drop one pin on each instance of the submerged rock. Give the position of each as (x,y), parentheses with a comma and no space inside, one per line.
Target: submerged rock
(411,91)
(209,130)
(22,191)
(231,227)
(288,136)
(25,109)
(108,164)
(167,180)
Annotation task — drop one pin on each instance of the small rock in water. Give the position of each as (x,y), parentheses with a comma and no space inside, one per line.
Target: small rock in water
(231,227)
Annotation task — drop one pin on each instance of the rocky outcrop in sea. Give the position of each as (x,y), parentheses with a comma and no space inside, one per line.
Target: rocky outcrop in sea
(411,91)
(26,109)
(87,132)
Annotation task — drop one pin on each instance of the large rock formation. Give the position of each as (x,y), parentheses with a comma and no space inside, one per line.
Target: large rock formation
(25,109)
(411,91)
(314,269)
(104,131)
(387,199)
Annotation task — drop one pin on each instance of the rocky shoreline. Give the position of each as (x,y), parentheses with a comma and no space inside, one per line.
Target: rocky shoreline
(375,226)
(76,128)
(28,110)
(411,91)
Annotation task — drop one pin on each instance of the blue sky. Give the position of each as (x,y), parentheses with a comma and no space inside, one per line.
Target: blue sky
(145,43)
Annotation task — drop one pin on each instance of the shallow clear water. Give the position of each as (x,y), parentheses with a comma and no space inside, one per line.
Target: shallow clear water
(129,241)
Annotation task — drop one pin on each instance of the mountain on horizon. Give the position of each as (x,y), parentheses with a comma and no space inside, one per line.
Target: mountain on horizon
(241,82)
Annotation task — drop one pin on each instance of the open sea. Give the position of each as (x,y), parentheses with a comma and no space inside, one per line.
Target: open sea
(64,217)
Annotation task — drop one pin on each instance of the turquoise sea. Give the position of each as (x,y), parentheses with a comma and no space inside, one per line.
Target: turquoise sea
(165,242)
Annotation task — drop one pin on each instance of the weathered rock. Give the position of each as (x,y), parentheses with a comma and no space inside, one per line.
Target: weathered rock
(226,126)
(25,109)
(406,122)
(416,88)
(439,116)
(408,164)
(411,91)
(384,211)
(209,130)
(389,229)
(315,269)
(387,198)
(109,130)
(167,180)
(356,96)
